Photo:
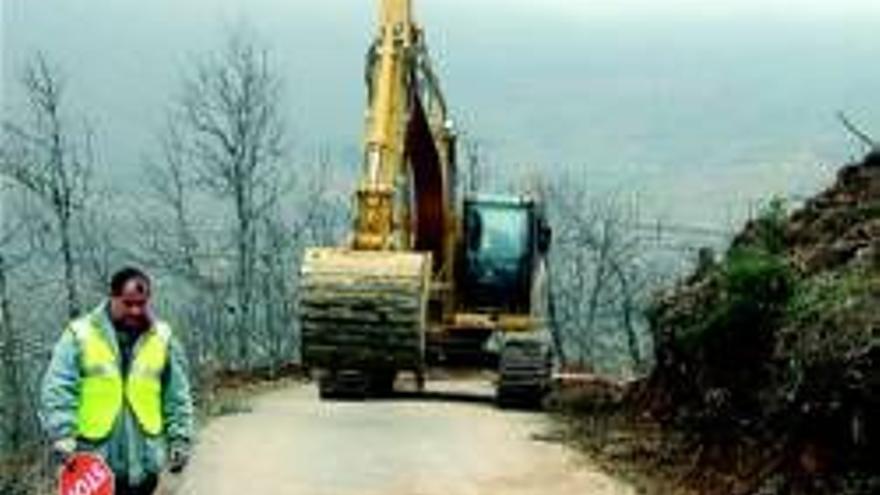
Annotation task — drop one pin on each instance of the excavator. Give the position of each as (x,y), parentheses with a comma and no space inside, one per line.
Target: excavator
(429,277)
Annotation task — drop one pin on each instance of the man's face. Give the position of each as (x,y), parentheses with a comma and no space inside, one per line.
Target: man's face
(130,309)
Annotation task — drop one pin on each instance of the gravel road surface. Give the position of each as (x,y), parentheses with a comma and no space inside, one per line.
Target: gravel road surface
(450,441)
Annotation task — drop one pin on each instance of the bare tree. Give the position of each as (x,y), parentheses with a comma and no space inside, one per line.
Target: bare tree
(324,212)
(277,257)
(601,277)
(17,338)
(471,177)
(175,247)
(861,135)
(51,159)
(10,355)
(227,127)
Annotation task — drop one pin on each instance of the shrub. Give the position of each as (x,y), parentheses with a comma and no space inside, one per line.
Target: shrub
(755,287)
(770,226)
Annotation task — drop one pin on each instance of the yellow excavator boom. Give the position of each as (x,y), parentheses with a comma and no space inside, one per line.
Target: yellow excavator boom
(381,222)
(364,306)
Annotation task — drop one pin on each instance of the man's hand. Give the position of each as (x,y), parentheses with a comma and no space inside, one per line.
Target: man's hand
(63,450)
(178,458)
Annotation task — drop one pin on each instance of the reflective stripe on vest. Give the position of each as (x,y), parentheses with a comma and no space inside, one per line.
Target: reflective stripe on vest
(102,390)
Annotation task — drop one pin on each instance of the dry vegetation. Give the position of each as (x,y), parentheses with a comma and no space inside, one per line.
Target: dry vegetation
(767,376)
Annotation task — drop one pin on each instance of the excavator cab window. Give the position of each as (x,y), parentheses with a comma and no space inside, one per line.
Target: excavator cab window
(498,252)
(503,232)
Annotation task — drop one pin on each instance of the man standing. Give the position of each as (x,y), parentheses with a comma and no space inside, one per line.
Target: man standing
(117,386)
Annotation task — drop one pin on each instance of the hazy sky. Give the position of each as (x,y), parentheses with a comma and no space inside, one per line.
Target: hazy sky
(699,106)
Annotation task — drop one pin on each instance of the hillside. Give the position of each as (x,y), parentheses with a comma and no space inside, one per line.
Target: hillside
(774,348)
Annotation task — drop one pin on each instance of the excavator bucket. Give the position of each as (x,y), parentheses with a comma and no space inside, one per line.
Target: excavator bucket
(364,310)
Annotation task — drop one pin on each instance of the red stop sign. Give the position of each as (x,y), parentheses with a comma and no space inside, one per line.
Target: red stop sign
(85,474)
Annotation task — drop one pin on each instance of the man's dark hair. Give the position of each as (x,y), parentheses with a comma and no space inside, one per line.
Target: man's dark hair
(123,276)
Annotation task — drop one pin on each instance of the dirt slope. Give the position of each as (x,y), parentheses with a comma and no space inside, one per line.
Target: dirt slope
(767,358)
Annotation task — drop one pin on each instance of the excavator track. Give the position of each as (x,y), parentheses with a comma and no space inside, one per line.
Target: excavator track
(525,367)
(362,317)
(526,360)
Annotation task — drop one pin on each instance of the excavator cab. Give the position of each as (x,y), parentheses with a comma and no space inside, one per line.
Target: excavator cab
(502,289)
(505,238)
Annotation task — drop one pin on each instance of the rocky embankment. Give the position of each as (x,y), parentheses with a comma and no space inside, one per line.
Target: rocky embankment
(773,350)
(767,377)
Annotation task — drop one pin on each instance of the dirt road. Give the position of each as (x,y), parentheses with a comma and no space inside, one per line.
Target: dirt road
(452,441)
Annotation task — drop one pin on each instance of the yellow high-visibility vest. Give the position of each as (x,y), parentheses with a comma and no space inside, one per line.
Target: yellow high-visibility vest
(103,391)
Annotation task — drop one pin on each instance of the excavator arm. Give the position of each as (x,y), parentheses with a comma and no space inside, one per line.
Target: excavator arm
(404,197)
(364,306)
(378,223)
